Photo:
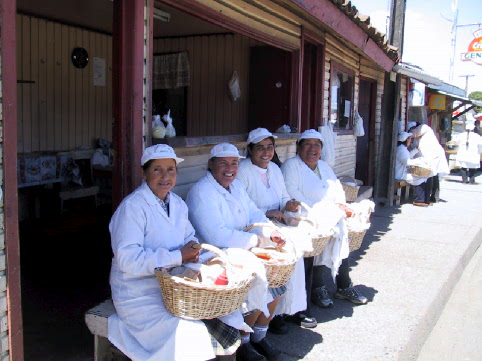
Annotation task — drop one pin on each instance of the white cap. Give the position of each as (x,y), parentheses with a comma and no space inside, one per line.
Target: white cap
(411,125)
(159,151)
(311,134)
(224,150)
(259,134)
(469,126)
(403,136)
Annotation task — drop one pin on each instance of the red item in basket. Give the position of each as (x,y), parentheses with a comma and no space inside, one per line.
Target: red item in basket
(222,279)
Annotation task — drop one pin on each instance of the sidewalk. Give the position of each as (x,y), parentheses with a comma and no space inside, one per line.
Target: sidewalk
(408,265)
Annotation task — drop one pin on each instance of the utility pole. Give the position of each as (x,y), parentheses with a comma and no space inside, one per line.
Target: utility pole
(397,24)
(466,83)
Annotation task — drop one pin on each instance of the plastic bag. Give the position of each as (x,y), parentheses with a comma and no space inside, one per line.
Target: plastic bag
(284,129)
(358,130)
(329,143)
(99,158)
(170,131)
(158,128)
(233,86)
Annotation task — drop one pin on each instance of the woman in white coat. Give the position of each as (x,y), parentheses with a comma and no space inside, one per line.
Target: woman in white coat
(150,229)
(220,210)
(468,154)
(403,160)
(266,187)
(431,150)
(311,180)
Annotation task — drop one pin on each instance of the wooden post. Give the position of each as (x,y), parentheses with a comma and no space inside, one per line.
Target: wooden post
(8,10)
(127,79)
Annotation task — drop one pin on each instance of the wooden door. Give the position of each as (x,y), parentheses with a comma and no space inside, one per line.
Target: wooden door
(269,88)
(365,145)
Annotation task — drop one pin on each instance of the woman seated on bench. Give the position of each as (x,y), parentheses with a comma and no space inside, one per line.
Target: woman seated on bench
(151,229)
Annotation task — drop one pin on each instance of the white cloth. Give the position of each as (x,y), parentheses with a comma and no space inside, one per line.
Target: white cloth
(144,237)
(304,185)
(294,300)
(403,161)
(431,150)
(468,156)
(329,144)
(256,189)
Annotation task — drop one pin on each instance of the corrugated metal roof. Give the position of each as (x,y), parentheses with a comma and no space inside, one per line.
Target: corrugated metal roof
(363,21)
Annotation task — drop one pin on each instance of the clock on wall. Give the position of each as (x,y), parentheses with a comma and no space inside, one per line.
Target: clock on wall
(80,58)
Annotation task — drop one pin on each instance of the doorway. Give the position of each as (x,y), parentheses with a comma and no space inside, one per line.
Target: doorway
(365,170)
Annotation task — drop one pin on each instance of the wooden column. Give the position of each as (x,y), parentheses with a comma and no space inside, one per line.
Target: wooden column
(127,79)
(10,197)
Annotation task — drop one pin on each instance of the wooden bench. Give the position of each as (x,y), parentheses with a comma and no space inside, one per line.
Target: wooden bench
(399,184)
(96,320)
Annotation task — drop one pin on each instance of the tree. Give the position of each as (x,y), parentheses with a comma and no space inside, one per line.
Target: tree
(477,95)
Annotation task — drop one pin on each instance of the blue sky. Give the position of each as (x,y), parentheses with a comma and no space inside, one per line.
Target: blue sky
(428,35)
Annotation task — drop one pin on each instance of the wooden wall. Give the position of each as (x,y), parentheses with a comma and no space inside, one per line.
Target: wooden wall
(62,109)
(212,60)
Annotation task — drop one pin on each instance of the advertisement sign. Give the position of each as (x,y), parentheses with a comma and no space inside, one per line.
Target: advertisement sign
(475,49)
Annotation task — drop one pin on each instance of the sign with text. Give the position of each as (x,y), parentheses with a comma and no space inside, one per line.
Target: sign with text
(475,49)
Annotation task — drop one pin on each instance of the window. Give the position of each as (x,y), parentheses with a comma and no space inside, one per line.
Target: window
(342,83)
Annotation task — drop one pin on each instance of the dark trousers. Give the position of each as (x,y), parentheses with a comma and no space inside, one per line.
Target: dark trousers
(314,277)
(420,192)
(433,185)
(468,172)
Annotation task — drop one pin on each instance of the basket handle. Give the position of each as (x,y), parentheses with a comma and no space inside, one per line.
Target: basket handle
(215,250)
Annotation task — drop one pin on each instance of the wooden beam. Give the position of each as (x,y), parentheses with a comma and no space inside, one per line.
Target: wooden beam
(8,10)
(331,16)
(462,113)
(127,105)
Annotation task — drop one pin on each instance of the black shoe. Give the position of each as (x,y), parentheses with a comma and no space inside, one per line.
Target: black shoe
(278,325)
(433,199)
(246,352)
(303,319)
(268,351)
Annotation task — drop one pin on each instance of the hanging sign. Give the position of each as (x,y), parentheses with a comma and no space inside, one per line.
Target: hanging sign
(437,101)
(475,49)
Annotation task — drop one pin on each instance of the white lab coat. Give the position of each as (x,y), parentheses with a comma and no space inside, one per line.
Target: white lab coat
(468,156)
(219,216)
(304,185)
(431,150)
(403,161)
(294,300)
(248,175)
(144,237)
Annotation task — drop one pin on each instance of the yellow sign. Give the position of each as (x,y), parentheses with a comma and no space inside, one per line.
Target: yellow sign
(437,101)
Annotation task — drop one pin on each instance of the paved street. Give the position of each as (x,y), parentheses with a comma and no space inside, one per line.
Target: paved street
(408,266)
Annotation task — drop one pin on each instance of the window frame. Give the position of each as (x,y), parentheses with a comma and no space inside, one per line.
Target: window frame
(337,67)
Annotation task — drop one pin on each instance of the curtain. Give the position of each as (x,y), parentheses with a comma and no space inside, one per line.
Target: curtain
(170,71)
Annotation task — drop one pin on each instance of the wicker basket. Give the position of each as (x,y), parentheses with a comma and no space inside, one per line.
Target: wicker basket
(196,301)
(420,171)
(451,147)
(351,192)
(276,274)
(355,239)
(319,244)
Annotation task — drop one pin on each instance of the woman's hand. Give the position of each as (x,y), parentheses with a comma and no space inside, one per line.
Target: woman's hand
(274,213)
(348,211)
(190,254)
(278,238)
(292,205)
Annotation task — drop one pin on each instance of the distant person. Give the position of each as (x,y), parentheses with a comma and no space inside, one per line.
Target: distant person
(468,155)
(431,150)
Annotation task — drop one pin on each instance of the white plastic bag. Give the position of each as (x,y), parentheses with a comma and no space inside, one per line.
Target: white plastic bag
(158,128)
(233,86)
(358,130)
(170,131)
(329,143)
(284,129)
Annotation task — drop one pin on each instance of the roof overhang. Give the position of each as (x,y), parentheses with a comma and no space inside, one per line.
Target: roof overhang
(417,74)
